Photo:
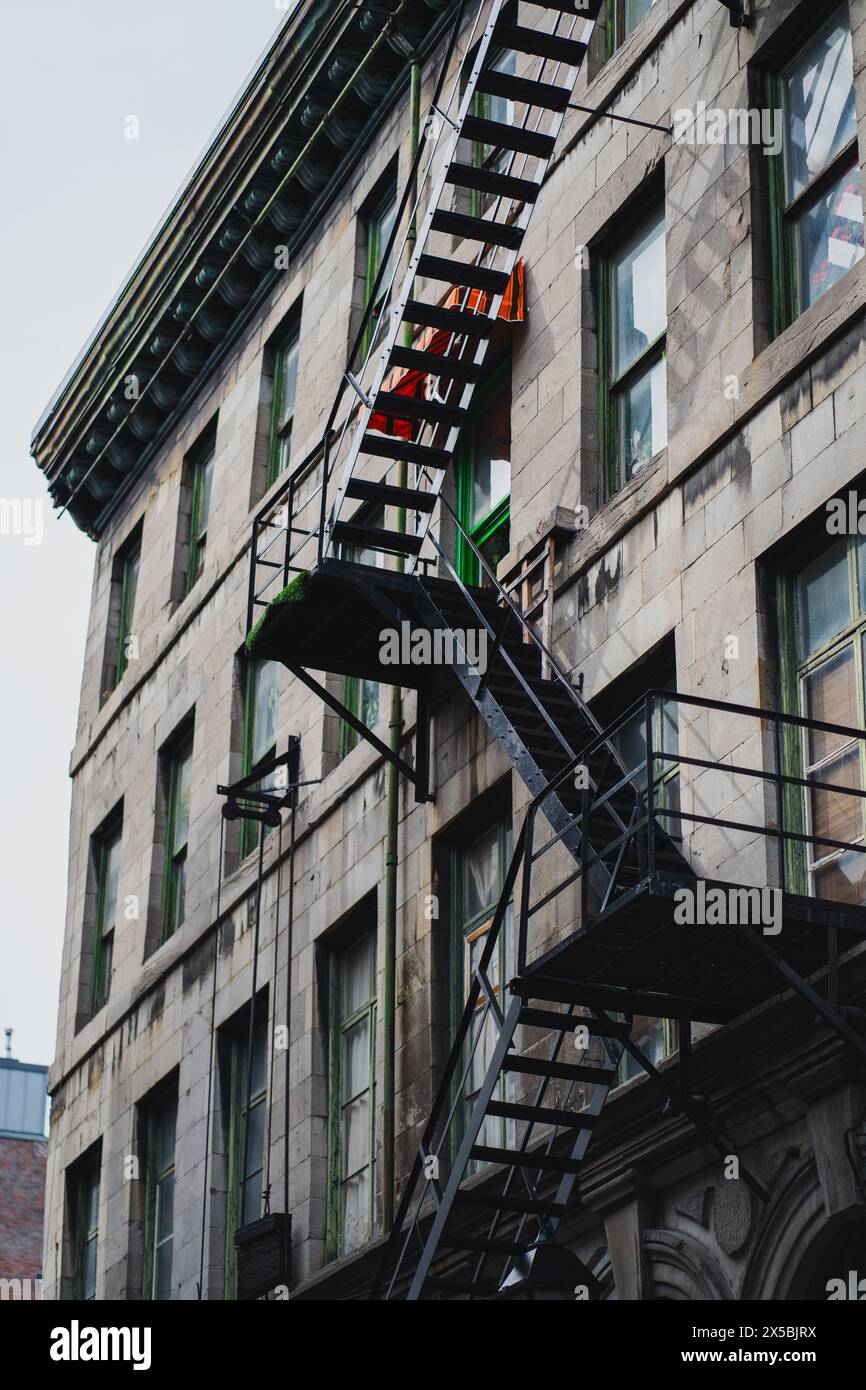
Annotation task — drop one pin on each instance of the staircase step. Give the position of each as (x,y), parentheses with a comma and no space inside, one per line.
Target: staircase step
(390,496)
(540,1115)
(508,137)
(415,408)
(484,1246)
(522,40)
(388,446)
(597,1028)
(523,89)
(488,181)
(518,1206)
(563,1071)
(451,320)
(512,1159)
(375,538)
(435,364)
(477,277)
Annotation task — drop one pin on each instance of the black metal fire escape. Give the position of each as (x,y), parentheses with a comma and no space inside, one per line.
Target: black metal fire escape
(535,1055)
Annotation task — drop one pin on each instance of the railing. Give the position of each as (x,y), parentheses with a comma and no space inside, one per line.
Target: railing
(719,785)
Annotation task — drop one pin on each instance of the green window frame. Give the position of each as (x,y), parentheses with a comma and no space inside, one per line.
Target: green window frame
(245,1198)
(623,17)
(493,108)
(363,697)
(657,1038)
(85,1233)
(350,1217)
(106,852)
(378,224)
(822,638)
(286,360)
(201,480)
(261,710)
(130,565)
(160,1140)
(179,776)
(632,318)
(816,201)
(478,871)
(484,504)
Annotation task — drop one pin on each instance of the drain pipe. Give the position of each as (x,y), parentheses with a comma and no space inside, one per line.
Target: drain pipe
(395,730)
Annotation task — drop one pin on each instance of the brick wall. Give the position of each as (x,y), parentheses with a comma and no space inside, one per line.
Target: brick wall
(22,1205)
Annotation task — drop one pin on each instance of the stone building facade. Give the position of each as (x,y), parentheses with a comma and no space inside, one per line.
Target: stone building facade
(692,553)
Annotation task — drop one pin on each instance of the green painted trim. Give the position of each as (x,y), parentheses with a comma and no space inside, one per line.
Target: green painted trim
(101,973)
(294,592)
(276,431)
(337,1025)
(127,606)
(373,223)
(173,859)
(465,559)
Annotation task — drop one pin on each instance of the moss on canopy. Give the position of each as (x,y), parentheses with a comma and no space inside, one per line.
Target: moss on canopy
(293,593)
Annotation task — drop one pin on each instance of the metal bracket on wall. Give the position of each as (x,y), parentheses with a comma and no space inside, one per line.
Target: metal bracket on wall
(740,12)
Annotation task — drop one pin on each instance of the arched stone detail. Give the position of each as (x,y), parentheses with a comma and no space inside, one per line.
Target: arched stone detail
(793,1221)
(681,1269)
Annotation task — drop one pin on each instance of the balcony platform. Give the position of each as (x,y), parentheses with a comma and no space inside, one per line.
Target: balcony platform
(634,957)
(336,622)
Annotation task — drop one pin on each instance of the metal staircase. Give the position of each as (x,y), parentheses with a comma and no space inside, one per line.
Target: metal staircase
(535,1054)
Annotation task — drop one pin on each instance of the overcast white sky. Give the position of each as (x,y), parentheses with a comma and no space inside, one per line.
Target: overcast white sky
(79,203)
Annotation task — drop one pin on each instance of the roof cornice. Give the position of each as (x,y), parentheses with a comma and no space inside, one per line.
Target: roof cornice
(211,260)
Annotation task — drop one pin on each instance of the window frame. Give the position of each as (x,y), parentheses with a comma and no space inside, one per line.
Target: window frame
(615,26)
(612,389)
(236,1179)
(201,485)
(86,1194)
(175,858)
(152,1182)
(280,434)
(374,218)
(107,839)
(497,384)
(784,215)
(250,829)
(352,686)
(130,570)
(338,1026)
(802,860)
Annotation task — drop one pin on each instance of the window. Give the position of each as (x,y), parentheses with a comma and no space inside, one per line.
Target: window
(83,1193)
(484,479)
(494,108)
(379,224)
(815,184)
(823,623)
(200,480)
(106,858)
(360,695)
(479,870)
(351,1091)
(160,1127)
(247,1134)
(633,333)
(283,408)
(120,642)
(623,17)
(261,702)
(179,782)
(656,1037)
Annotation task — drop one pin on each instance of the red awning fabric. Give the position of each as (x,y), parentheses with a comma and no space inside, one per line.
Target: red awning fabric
(438,340)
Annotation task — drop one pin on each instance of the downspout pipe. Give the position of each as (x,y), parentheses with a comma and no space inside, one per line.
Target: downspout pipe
(395,730)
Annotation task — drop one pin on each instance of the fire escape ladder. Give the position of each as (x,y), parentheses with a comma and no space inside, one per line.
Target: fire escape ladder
(440,323)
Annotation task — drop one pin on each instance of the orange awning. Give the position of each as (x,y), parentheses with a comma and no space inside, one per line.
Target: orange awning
(438,340)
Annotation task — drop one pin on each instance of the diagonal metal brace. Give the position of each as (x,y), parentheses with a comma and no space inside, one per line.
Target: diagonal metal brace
(693,1111)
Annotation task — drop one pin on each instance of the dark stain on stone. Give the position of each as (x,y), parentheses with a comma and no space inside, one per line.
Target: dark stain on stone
(796,401)
(198,964)
(227,935)
(607,580)
(739,456)
(711,477)
(156,1004)
(829,370)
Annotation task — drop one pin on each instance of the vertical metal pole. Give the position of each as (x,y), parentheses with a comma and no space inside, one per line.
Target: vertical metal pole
(780,804)
(585,849)
(252,1023)
(649,708)
(525,881)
